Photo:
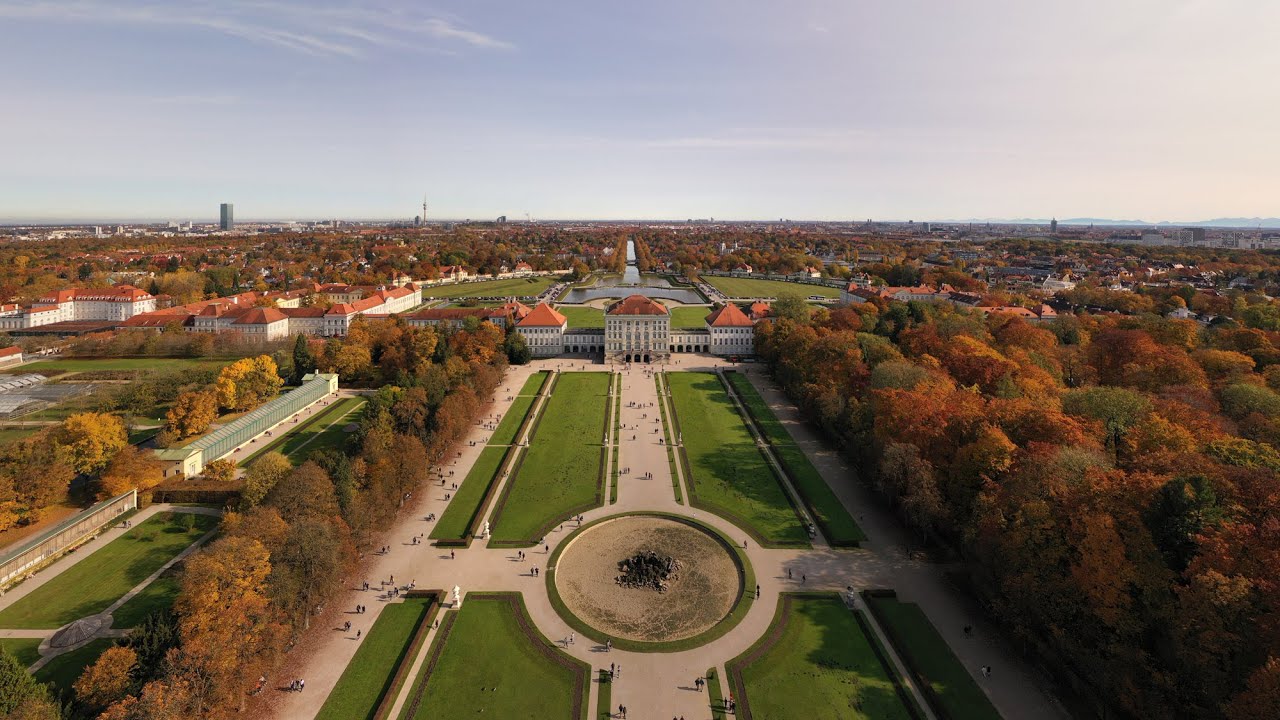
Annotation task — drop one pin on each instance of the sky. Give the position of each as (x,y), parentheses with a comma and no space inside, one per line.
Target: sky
(663,109)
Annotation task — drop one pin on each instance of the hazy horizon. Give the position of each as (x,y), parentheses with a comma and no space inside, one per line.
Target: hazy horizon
(816,110)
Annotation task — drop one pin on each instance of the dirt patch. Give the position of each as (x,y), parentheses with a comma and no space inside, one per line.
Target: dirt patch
(694,600)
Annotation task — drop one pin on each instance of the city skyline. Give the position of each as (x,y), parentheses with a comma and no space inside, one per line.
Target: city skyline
(815,111)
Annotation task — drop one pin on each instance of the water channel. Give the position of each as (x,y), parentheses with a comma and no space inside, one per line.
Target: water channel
(632,282)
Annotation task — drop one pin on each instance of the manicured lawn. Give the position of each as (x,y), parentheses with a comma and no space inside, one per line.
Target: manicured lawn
(534,383)
(519,287)
(9,434)
(27,650)
(822,665)
(369,674)
(456,518)
(715,694)
(91,585)
(727,472)
(159,595)
(752,287)
(93,364)
(510,425)
(604,696)
(298,444)
(560,471)
(837,524)
(689,317)
(929,657)
(490,667)
(582,316)
(66,668)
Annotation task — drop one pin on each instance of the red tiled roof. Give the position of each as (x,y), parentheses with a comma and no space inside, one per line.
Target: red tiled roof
(341,309)
(636,305)
(728,315)
(261,316)
(543,316)
(10,351)
(302,312)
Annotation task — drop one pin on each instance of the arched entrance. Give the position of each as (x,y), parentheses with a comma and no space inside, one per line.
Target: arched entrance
(646,358)
(628,357)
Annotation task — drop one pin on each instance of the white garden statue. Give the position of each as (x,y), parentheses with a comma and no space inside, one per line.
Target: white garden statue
(457,598)
(485,532)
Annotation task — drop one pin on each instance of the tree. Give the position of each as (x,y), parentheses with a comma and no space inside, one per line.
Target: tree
(245,383)
(18,689)
(1261,696)
(306,493)
(263,475)
(108,679)
(1183,508)
(220,471)
(790,306)
(192,413)
(517,349)
(304,361)
(1118,409)
(92,439)
(130,468)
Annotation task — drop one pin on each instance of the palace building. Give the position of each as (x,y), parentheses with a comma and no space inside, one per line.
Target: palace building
(637,329)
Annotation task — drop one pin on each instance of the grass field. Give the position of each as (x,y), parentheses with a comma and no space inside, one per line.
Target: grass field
(298,444)
(9,434)
(560,470)
(510,425)
(66,668)
(930,658)
(715,694)
(821,662)
(491,288)
(752,288)
(836,522)
(689,317)
(534,383)
(369,674)
(93,364)
(582,316)
(456,518)
(91,585)
(27,650)
(727,472)
(490,667)
(159,595)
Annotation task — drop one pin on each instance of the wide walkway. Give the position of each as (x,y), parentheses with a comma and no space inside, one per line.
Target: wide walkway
(661,685)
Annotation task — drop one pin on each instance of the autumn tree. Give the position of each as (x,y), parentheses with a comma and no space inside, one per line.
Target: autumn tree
(220,471)
(263,475)
(20,694)
(108,679)
(192,413)
(245,383)
(91,440)
(130,468)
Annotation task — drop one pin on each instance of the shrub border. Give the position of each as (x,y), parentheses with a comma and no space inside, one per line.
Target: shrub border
(746,574)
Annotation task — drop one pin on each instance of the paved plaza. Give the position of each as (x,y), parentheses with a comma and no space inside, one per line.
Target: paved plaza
(657,685)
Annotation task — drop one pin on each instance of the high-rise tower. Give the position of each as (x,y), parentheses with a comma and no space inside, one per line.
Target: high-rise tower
(227,219)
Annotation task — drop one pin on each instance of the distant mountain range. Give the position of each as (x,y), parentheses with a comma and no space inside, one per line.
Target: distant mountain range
(1226,222)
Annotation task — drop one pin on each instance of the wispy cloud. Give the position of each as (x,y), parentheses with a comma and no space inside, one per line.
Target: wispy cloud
(320,31)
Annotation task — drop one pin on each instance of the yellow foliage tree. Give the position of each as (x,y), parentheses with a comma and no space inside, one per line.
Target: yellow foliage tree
(91,440)
(107,680)
(192,413)
(220,470)
(245,383)
(131,468)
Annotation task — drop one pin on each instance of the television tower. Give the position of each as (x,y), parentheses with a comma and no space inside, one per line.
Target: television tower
(424,209)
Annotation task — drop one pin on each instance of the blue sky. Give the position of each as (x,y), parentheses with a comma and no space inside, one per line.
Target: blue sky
(903,109)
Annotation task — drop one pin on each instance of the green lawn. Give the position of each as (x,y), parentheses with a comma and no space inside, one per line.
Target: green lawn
(159,595)
(510,425)
(604,696)
(27,650)
(298,443)
(93,364)
(831,515)
(822,665)
(372,669)
(456,518)
(582,316)
(91,585)
(9,434)
(715,694)
(727,473)
(689,317)
(560,471)
(752,287)
(66,668)
(519,287)
(489,666)
(534,383)
(931,659)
